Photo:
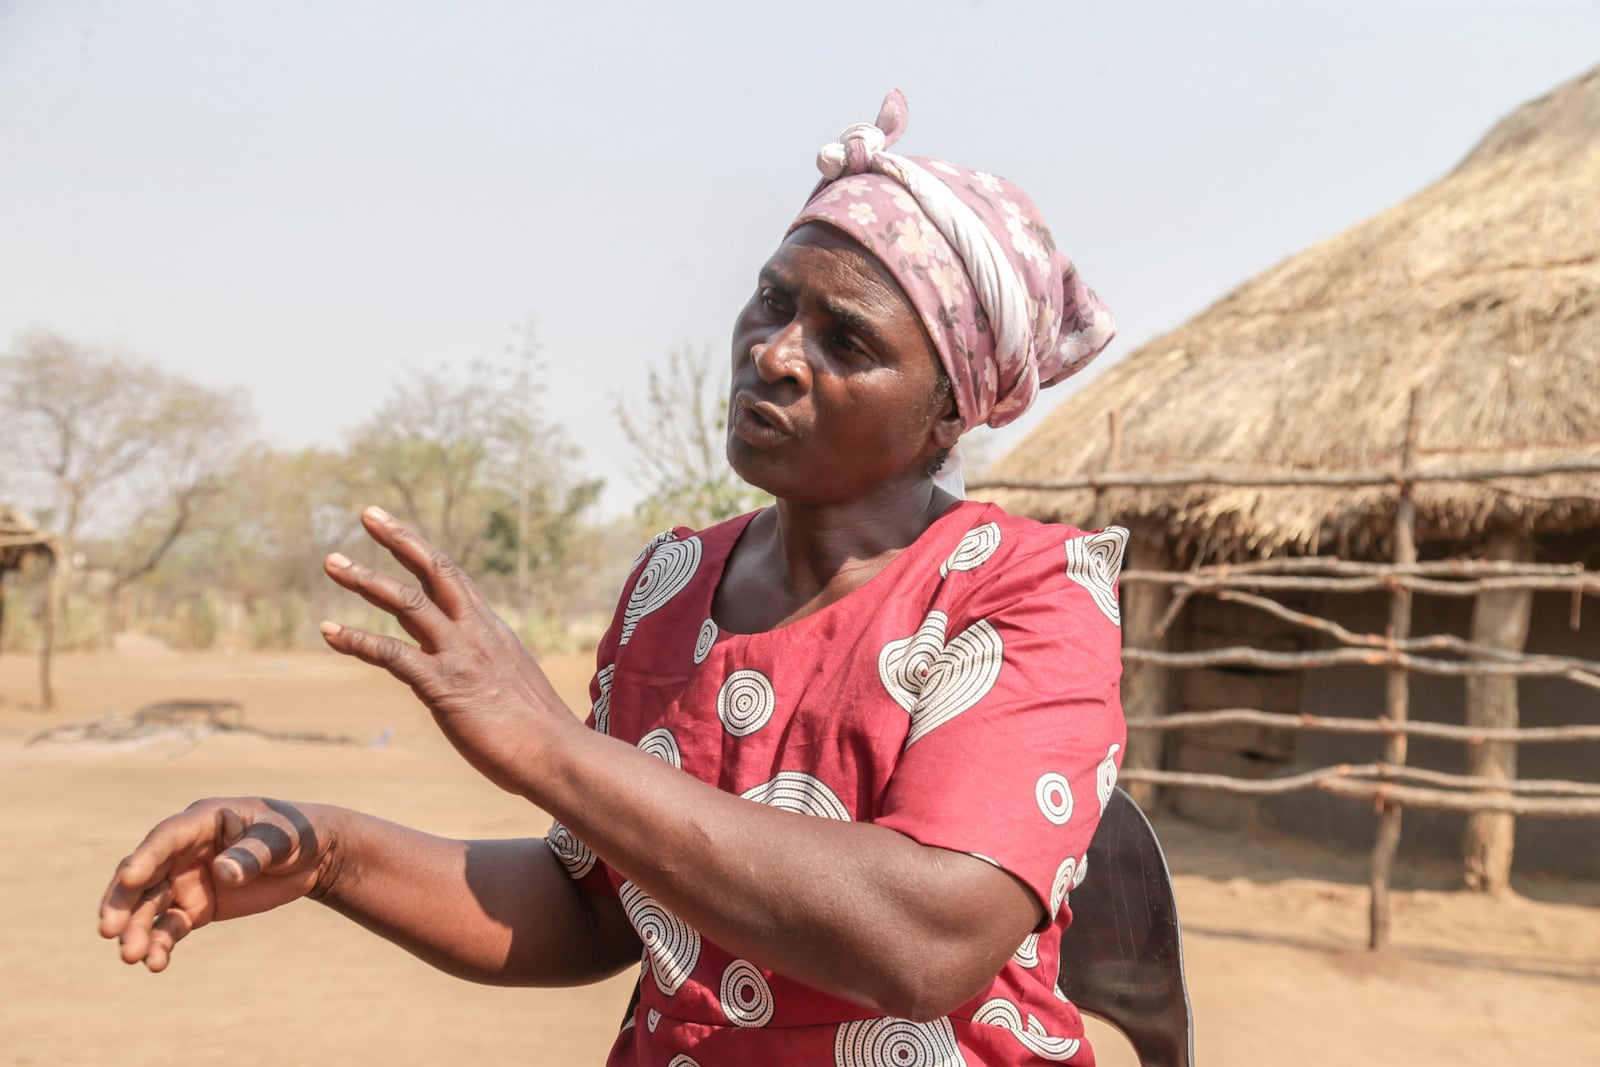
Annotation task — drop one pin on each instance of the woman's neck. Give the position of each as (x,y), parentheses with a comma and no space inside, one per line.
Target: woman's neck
(796,559)
(814,542)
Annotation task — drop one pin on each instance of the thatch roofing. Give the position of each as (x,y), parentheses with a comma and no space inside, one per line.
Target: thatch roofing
(20,538)
(1482,291)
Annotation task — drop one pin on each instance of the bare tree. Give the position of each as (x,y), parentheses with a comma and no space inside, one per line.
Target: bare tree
(103,440)
(469,456)
(679,439)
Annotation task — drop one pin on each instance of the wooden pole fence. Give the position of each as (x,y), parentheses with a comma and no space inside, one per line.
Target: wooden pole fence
(1587,583)
(1389,784)
(1470,735)
(1430,642)
(1384,772)
(1290,479)
(1341,781)
(1573,670)
(1438,568)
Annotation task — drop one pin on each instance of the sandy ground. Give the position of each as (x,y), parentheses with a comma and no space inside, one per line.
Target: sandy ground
(1274,929)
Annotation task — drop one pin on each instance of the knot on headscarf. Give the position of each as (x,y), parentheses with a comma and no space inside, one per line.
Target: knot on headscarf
(1006,310)
(859,144)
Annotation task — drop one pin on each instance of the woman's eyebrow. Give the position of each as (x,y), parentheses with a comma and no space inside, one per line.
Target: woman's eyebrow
(853,320)
(771,276)
(846,315)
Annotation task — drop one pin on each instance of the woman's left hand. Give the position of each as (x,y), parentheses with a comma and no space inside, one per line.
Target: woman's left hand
(486,692)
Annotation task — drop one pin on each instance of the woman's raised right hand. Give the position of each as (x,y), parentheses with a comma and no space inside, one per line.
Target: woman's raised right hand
(217,859)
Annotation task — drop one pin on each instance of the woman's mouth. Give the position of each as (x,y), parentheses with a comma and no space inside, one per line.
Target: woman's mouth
(759,424)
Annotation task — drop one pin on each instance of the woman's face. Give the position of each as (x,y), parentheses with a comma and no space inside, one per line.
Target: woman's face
(835,384)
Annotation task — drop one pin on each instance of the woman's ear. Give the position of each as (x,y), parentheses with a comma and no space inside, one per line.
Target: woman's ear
(949,427)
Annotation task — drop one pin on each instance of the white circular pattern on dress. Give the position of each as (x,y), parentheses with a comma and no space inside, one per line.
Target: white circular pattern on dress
(1027,954)
(574,855)
(745,702)
(800,792)
(602,704)
(1002,1013)
(652,1019)
(707,638)
(662,745)
(935,681)
(746,997)
(974,550)
(1105,779)
(1083,871)
(672,945)
(1094,561)
(659,539)
(1054,795)
(962,676)
(897,1043)
(903,665)
(1062,884)
(670,569)
(681,1060)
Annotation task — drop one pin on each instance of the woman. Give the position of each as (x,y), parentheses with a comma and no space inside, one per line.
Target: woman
(846,754)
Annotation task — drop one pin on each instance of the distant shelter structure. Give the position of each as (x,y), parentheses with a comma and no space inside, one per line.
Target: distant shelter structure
(1411,403)
(21,540)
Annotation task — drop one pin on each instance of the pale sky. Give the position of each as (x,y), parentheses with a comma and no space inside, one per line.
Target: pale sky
(301,198)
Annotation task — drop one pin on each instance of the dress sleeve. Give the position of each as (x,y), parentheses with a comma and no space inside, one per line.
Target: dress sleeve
(581,863)
(1016,726)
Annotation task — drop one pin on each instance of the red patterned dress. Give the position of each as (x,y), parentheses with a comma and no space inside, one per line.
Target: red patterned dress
(966,696)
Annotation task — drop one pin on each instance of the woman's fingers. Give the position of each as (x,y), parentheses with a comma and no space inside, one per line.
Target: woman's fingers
(117,902)
(410,606)
(405,662)
(173,926)
(441,579)
(135,935)
(269,842)
(147,866)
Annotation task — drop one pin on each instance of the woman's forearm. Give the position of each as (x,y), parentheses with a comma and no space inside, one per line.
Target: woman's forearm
(856,910)
(502,912)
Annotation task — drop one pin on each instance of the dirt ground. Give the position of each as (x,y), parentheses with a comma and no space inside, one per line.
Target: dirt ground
(1274,928)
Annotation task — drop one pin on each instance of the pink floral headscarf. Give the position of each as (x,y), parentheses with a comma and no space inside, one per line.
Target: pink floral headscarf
(1006,310)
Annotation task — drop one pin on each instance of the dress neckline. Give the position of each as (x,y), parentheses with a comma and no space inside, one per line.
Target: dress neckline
(734,530)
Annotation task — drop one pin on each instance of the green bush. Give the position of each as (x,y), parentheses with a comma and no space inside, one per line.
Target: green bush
(263,625)
(540,632)
(84,625)
(21,631)
(198,623)
(291,620)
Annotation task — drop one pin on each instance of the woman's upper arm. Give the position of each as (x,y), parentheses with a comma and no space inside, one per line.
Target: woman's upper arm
(1027,735)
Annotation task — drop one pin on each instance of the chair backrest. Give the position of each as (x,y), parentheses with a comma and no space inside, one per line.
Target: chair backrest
(1122,957)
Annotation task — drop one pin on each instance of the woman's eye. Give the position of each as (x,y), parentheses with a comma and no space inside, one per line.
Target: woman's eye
(768,299)
(843,342)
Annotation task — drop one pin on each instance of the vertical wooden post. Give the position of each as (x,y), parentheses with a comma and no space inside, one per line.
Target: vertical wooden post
(1398,693)
(1144,685)
(1113,460)
(1499,619)
(47,645)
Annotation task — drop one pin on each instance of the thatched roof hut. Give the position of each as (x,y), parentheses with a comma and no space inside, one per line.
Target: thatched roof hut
(1482,291)
(1481,296)
(21,538)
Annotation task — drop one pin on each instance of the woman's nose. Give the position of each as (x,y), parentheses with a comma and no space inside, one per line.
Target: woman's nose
(782,355)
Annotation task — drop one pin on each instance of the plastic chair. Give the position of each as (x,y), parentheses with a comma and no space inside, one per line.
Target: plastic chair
(1122,957)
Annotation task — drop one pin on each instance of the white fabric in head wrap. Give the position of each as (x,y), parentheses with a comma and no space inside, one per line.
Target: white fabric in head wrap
(1006,311)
